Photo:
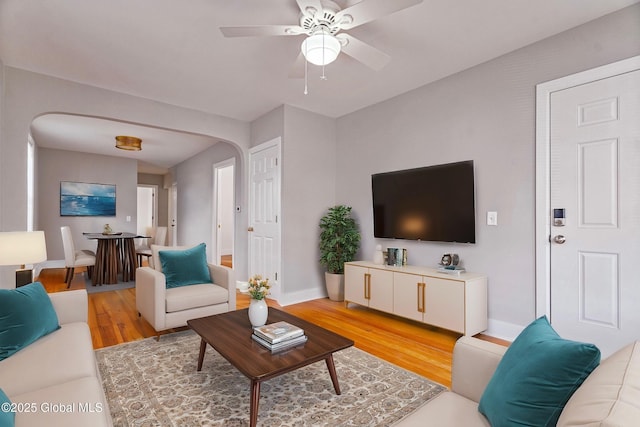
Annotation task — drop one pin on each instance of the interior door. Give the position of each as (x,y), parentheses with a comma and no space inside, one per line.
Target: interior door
(264,213)
(146,210)
(595,219)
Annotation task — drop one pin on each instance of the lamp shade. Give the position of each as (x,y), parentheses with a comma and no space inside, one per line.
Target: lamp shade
(320,48)
(22,247)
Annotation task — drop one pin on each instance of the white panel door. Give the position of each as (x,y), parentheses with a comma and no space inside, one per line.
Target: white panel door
(595,177)
(264,206)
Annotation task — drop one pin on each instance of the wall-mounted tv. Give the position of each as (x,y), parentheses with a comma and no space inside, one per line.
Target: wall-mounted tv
(433,203)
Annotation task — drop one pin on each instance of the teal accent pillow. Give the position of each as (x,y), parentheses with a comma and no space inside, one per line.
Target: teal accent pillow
(536,377)
(26,315)
(7,416)
(186,267)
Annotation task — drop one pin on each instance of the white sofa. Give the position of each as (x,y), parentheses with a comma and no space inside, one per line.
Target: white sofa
(55,381)
(610,396)
(171,308)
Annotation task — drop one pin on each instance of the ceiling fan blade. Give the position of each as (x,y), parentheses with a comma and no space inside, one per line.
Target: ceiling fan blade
(297,69)
(262,30)
(305,5)
(362,52)
(369,10)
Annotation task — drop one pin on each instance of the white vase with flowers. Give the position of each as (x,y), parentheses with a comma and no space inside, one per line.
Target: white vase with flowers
(258,309)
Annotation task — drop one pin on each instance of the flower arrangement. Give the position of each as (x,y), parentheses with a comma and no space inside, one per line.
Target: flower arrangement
(258,287)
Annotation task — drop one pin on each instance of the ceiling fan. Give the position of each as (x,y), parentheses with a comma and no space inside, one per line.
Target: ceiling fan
(322,22)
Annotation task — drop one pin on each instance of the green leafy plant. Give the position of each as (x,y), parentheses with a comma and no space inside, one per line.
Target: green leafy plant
(339,238)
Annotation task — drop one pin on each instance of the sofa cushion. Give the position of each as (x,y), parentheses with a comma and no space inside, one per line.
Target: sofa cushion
(446,409)
(185,267)
(63,355)
(74,403)
(7,416)
(26,314)
(536,377)
(610,396)
(188,297)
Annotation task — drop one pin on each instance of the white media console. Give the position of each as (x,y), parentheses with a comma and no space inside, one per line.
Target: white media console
(454,302)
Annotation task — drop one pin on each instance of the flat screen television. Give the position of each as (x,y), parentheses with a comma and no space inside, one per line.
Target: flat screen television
(433,203)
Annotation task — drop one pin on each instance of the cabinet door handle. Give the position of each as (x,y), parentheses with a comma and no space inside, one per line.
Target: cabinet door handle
(420,296)
(367,286)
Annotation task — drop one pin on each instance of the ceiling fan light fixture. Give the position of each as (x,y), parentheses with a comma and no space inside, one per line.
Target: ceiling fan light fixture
(130,143)
(320,48)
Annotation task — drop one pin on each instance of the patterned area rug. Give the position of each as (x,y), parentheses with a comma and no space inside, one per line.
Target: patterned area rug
(150,383)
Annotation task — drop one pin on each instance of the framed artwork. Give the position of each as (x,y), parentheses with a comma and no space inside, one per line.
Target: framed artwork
(84,199)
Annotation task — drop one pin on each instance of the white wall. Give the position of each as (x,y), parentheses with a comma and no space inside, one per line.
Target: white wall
(59,165)
(486,114)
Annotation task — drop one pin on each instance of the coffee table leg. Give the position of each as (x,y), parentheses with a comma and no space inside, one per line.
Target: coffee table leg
(255,400)
(203,347)
(332,372)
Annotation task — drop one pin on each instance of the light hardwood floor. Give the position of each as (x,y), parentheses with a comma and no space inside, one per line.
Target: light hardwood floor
(425,350)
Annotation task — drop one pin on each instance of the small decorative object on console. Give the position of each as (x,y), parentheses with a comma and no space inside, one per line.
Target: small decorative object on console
(449,259)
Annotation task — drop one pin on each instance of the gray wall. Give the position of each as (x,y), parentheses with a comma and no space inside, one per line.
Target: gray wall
(308,189)
(58,165)
(486,114)
(27,95)
(195,201)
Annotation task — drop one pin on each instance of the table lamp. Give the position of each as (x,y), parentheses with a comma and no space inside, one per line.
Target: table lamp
(20,248)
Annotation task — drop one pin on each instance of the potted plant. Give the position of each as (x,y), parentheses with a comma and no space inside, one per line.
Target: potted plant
(339,242)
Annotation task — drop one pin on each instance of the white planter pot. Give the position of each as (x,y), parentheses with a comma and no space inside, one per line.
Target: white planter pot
(335,286)
(258,312)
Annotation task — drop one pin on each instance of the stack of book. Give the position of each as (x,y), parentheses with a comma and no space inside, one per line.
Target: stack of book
(279,336)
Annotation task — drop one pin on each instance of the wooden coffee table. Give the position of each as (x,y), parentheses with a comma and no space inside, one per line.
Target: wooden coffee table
(230,335)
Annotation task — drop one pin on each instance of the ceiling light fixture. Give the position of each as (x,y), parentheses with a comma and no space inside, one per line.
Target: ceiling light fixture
(320,48)
(130,143)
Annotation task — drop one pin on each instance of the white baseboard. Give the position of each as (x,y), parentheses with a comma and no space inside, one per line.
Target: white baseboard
(503,330)
(301,296)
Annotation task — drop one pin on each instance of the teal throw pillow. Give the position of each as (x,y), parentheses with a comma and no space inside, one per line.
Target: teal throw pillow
(185,267)
(7,416)
(26,315)
(536,377)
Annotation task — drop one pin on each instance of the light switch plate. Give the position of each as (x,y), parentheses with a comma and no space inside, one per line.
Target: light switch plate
(492,218)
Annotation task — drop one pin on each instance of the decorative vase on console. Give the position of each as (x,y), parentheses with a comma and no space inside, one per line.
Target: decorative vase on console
(258,309)
(378,256)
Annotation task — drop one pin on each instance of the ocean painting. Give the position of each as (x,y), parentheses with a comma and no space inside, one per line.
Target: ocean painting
(82,199)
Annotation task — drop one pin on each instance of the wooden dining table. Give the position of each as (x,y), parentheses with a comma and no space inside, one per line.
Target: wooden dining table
(115,254)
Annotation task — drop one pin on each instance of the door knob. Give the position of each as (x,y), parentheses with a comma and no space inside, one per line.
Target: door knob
(250,229)
(559,239)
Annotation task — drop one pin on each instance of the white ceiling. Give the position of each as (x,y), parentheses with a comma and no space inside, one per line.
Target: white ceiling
(173,51)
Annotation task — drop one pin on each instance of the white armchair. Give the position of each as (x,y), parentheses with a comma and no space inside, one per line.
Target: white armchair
(171,308)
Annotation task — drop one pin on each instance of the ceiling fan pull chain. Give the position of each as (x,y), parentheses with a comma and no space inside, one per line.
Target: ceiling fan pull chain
(306,91)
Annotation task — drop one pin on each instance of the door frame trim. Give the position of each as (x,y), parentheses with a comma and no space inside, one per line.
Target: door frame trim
(215,255)
(542,180)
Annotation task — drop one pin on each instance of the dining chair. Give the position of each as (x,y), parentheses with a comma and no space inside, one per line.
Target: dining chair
(74,258)
(158,237)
